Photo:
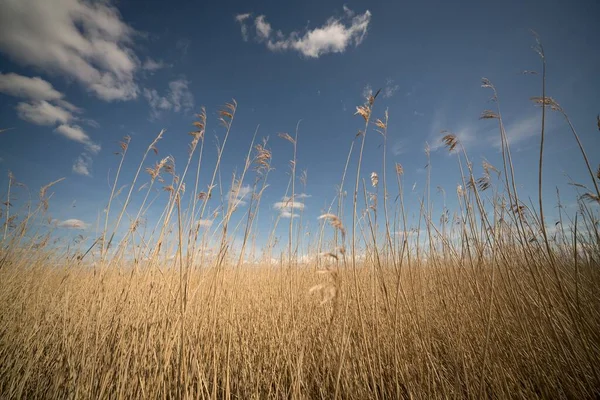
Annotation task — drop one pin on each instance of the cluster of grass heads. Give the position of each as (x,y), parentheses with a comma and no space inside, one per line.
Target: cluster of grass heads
(486,304)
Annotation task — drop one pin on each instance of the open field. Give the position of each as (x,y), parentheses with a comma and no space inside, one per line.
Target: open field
(67,333)
(486,303)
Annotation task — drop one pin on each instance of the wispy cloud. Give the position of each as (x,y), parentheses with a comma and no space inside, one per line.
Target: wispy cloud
(466,132)
(178,98)
(28,88)
(180,95)
(287,214)
(297,196)
(390,88)
(241,18)
(335,36)
(438,124)
(151,65)
(398,148)
(387,91)
(75,133)
(263,28)
(43,113)
(467,135)
(205,223)
(47,107)
(367,91)
(82,165)
(288,205)
(237,195)
(71,223)
(519,131)
(81,40)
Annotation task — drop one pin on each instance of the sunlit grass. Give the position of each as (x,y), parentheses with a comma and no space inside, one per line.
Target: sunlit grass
(485,302)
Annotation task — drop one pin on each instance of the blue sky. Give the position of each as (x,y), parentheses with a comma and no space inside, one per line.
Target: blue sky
(76,76)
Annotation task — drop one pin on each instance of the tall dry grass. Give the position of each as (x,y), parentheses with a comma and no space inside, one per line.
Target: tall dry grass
(484,302)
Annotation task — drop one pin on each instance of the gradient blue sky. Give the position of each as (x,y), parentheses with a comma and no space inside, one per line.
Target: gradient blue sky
(76,76)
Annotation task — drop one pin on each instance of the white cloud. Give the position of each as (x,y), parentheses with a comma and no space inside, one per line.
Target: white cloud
(82,165)
(438,124)
(263,28)
(387,91)
(465,133)
(90,122)
(398,148)
(152,65)
(81,40)
(288,214)
(180,95)
(348,11)
(75,133)
(28,88)
(43,113)
(297,196)
(390,88)
(367,91)
(237,195)
(241,18)
(333,37)
(519,131)
(205,223)
(177,98)
(46,107)
(466,136)
(65,104)
(72,223)
(157,102)
(288,205)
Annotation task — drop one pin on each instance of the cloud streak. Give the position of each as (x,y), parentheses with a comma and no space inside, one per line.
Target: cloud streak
(519,131)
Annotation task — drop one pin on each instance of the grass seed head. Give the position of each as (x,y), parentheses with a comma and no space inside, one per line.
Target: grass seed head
(374,179)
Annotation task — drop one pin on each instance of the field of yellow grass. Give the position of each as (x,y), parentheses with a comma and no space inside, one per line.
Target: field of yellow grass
(258,333)
(490,304)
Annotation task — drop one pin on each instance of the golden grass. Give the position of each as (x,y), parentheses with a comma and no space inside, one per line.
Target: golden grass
(70,333)
(486,303)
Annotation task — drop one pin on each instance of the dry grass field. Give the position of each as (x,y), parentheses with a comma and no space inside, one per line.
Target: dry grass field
(488,303)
